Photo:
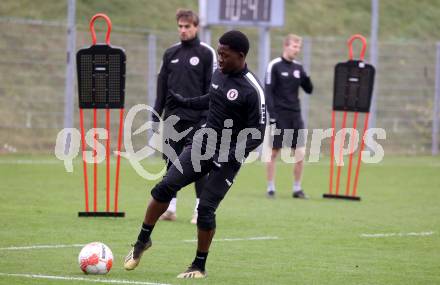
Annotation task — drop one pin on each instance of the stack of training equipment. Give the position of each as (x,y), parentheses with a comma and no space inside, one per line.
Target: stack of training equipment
(353,88)
(101,85)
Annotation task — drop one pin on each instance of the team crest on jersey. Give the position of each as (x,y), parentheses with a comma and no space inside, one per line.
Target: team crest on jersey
(296,74)
(194,60)
(232,94)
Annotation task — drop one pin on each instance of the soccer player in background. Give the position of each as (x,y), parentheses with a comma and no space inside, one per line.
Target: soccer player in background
(187,68)
(236,104)
(284,77)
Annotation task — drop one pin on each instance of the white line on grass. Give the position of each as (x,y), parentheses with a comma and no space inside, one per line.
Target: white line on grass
(30,161)
(69,278)
(41,246)
(396,235)
(236,239)
(57,161)
(48,246)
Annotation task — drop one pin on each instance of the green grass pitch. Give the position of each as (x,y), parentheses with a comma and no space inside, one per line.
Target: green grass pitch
(318,241)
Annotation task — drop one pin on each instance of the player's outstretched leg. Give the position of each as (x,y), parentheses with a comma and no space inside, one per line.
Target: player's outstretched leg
(134,256)
(154,210)
(161,194)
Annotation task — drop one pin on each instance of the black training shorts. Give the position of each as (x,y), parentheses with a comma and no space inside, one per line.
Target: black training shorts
(289,123)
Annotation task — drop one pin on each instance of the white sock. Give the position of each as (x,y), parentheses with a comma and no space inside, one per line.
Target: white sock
(172,206)
(197,204)
(296,186)
(270,186)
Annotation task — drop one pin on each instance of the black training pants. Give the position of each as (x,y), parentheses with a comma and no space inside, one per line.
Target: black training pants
(220,179)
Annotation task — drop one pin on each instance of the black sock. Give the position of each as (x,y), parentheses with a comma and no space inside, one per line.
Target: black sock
(200,260)
(145,233)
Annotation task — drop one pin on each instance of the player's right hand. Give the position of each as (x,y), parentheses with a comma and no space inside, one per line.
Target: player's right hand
(176,100)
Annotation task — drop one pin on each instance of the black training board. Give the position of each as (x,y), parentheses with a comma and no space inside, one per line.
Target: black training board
(101,77)
(353,86)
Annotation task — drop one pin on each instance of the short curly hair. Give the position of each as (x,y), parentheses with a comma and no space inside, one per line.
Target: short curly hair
(236,41)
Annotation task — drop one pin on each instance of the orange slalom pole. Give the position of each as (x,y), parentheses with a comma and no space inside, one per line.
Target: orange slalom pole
(332,153)
(338,177)
(360,154)
(95,163)
(107,152)
(118,161)
(83,145)
(347,189)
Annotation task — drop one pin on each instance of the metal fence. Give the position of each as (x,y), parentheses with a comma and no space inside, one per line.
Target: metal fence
(32,81)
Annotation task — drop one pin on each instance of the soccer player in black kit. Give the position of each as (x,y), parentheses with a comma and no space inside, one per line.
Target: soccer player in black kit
(284,77)
(236,103)
(187,68)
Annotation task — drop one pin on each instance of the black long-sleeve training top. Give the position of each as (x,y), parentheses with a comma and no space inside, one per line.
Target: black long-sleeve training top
(187,68)
(283,79)
(238,97)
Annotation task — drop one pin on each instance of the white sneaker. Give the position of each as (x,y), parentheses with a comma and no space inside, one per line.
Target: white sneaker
(194,219)
(168,216)
(193,273)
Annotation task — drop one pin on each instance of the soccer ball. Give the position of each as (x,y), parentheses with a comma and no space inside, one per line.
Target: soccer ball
(95,258)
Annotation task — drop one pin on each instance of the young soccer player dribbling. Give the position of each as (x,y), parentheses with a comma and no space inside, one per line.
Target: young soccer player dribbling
(236,101)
